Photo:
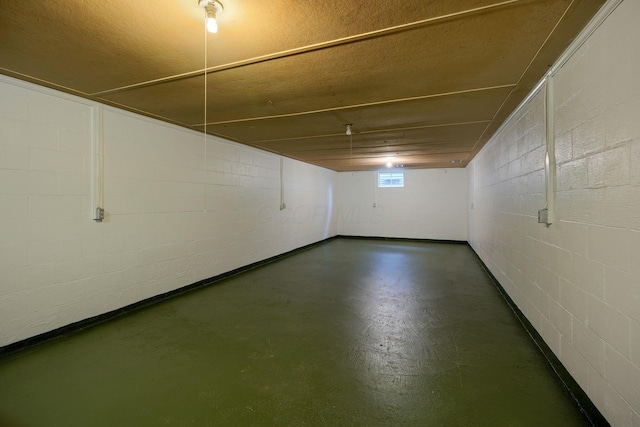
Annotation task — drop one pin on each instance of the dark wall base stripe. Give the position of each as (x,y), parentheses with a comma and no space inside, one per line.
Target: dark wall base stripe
(403,239)
(101,318)
(585,404)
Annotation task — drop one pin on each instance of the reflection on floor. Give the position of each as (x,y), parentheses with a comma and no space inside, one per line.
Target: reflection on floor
(349,333)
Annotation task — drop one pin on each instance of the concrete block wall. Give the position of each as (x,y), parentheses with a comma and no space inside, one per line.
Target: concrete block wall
(431,205)
(178,209)
(577,281)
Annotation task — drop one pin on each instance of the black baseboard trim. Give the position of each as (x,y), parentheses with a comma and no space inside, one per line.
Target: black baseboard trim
(590,411)
(402,239)
(101,318)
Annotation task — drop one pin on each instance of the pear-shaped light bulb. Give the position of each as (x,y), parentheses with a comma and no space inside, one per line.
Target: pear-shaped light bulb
(212,24)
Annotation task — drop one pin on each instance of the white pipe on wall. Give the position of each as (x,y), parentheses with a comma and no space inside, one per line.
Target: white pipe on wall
(282,203)
(550,161)
(97,164)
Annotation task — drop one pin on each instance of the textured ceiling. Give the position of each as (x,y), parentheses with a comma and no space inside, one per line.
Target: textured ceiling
(424,82)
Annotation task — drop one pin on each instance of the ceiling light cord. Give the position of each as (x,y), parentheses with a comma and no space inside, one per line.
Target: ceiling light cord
(205,83)
(204,132)
(349,133)
(351,149)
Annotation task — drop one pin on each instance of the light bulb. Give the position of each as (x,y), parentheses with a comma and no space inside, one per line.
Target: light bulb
(389,164)
(212,8)
(212,24)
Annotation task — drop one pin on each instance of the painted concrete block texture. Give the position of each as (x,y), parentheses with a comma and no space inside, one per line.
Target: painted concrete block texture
(431,205)
(593,246)
(180,208)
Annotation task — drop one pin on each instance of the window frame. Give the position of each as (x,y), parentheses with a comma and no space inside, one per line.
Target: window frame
(392,176)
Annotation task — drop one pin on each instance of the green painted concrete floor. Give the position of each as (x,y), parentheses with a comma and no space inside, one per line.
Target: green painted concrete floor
(348,333)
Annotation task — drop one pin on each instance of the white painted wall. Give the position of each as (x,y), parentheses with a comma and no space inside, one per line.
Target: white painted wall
(177,211)
(431,205)
(578,281)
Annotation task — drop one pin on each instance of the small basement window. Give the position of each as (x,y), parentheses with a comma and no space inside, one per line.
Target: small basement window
(390,179)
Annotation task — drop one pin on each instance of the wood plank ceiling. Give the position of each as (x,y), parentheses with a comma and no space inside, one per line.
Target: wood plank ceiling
(424,82)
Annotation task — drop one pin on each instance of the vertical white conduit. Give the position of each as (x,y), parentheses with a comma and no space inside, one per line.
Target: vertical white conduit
(97,164)
(550,160)
(472,187)
(282,204)
(375,188)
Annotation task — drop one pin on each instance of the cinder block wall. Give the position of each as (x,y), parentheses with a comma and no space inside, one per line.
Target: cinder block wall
(431,205)
(178,210)
(578,281)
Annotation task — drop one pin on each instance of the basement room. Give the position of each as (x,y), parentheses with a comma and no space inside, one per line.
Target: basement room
(320,213)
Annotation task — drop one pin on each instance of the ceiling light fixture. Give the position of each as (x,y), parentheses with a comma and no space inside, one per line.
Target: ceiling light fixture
(348,132)
(212,8)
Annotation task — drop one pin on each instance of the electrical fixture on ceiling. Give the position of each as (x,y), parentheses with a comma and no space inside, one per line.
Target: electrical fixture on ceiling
(348,132)
(212,8)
